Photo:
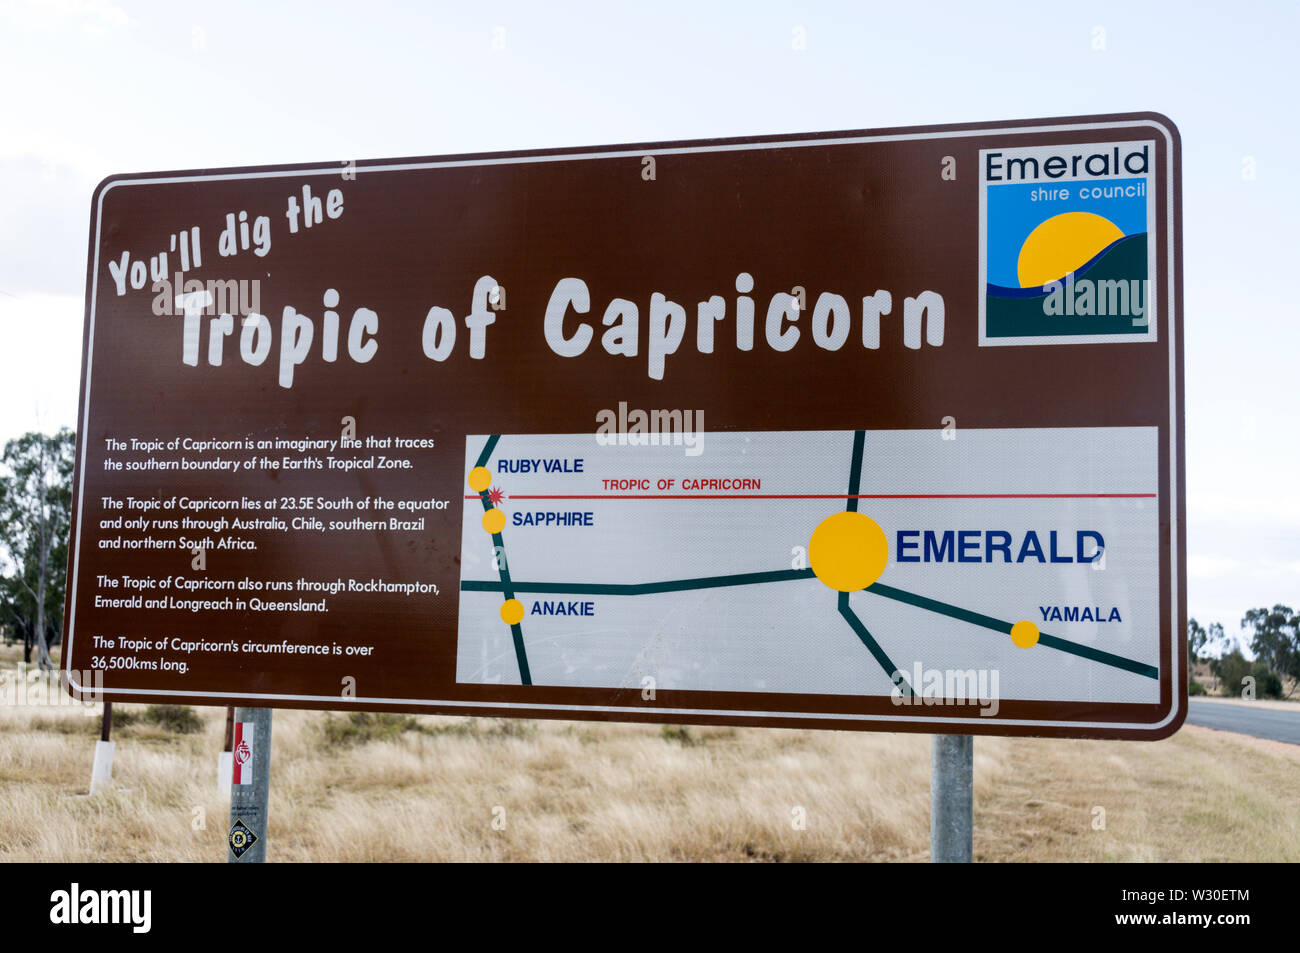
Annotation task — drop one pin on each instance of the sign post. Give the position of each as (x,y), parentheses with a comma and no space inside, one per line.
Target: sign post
(951,799)
(250,788)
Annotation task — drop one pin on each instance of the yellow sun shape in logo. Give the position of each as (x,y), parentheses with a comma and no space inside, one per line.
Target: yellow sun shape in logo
(1063,244)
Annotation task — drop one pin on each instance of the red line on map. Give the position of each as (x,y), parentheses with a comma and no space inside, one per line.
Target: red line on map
(834,496)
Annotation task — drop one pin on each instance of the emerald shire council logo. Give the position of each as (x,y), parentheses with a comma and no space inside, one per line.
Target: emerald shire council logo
(1066,254)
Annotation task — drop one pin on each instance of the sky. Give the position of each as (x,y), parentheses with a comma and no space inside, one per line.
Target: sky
(93,87)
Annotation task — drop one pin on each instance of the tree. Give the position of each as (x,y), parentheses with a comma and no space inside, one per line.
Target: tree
(1197,641)
(35,514)
(1218,646)
(1276,640)
(1206,645)
(1217,641)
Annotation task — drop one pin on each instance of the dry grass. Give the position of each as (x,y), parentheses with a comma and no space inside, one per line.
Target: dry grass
(425,788)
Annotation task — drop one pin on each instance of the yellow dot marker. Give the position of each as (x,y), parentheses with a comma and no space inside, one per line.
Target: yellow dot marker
(1025,634)
(494,521)
(512,612)
(848,551)
(480,478)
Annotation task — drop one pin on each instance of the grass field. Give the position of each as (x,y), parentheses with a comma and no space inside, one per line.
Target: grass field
(417,788)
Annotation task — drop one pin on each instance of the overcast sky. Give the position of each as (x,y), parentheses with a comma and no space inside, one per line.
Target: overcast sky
(92,87)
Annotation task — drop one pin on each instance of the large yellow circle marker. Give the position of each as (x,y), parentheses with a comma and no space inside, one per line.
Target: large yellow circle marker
(1061,244)
(1025,634)
(848,551)
(480,478)
(512,612)
(494,521)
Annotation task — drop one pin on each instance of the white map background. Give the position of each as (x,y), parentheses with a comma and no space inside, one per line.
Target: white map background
(788,636)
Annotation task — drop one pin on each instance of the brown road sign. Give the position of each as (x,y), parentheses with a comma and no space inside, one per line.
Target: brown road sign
(871,430)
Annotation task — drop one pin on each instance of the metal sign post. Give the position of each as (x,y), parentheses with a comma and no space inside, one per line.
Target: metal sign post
(951,798)
(250,786)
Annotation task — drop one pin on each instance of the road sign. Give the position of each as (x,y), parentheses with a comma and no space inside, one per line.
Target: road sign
(873,430)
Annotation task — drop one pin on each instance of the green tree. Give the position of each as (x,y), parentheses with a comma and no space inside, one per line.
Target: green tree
(35,513)
(1232,669)
(1208,645)
(1197,641)
(1217,641)
(1222,649)
(1276,640)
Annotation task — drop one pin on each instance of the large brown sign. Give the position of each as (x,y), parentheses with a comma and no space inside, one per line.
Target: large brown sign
(870,430)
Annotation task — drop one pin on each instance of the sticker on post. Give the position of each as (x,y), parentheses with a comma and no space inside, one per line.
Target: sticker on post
(243,753)
(241,839)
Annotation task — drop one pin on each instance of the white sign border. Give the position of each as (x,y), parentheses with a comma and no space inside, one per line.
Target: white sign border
(223,697)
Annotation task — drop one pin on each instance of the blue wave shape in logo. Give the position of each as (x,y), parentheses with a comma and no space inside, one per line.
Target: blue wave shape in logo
(1000,291)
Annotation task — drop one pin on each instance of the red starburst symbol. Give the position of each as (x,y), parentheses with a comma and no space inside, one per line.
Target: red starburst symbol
(496,495)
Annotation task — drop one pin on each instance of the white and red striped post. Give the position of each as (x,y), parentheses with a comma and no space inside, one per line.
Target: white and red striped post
(250,786)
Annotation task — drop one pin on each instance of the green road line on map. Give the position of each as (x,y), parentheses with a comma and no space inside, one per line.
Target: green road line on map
(517,633)
(851,617)
(855,470)
(933,605)
(846,611)
(508,591)
(997,625)
(788,575)
(506,587)
(487,450)
(642,588)
(872,645)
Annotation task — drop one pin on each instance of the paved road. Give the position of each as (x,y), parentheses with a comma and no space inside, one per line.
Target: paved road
(1246,719)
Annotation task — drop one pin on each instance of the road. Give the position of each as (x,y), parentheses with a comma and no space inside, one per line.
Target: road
(1246,719)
